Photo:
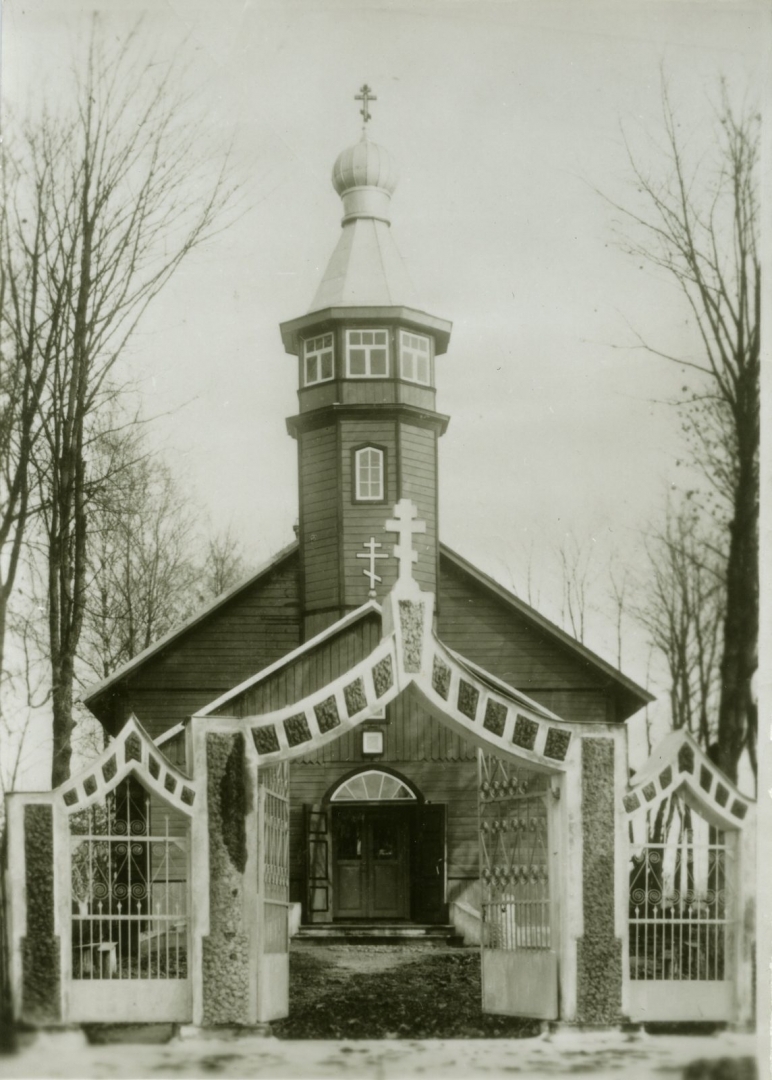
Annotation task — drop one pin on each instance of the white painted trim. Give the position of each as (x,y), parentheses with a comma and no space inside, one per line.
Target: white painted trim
(165,736)
(290,657)
(505,688)
(335,796)
(124,768)
(665,755)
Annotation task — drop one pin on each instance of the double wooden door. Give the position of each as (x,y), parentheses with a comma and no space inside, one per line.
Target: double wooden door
(371,862)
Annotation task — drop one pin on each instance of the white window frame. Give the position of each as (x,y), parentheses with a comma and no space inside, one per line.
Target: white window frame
(358,496)
(408,355)
(368,348)
(314,349)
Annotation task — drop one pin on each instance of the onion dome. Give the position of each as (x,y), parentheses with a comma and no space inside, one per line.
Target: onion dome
(365,176)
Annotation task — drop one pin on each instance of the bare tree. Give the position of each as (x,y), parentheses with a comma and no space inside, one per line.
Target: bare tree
(700,225)
(682,610)
(127,193)
(619,582)
(142,572)
(29,336)
(575,560)
(224,563)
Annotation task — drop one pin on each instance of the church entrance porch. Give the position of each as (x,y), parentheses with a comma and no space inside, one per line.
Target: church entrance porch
(371,859)
(375,851)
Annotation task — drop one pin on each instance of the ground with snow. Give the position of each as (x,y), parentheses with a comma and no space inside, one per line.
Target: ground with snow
(600,1056)
(386,1012)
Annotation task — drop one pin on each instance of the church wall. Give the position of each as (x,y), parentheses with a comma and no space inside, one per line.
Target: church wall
(410,734)
(419,483)
(363,520)
(581,706)
(259,626)
(441,764)
(489,633)
(318,484)
(310,672)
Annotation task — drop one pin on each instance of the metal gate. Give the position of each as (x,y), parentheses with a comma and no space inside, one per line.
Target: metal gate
(128,929)
(682,932)
(273,892)
(519,958)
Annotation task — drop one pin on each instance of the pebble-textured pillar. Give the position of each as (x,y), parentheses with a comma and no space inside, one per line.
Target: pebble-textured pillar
(599,951)
(227,949)
(41,976)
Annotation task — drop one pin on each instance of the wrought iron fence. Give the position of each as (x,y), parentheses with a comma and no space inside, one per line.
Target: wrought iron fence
(129,888)
(680,899)
(514,855)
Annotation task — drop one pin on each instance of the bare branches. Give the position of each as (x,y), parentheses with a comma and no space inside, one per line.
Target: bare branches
(682,609)
(112,191)
(699,223)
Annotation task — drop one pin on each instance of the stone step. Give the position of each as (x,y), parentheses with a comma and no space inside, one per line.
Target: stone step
(380,934)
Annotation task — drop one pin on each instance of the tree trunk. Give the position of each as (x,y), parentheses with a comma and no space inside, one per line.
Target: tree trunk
(62,722)
(740,658)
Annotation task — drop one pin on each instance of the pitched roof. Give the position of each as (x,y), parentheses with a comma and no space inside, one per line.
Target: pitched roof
(370,608)
(633,696)
(629,687)
(176,632)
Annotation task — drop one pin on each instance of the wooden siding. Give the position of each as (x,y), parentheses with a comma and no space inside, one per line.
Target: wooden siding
(423,397)
(418,459)
(254,629)
(580,706)
(310,672)
(482,628)
(319,479)
(363,520)
(410,734)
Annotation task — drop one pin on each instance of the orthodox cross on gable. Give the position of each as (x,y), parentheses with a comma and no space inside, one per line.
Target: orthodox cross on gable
(371,554)
(365,95)
(406,524)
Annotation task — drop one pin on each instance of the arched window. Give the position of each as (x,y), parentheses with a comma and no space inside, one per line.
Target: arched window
(369,475)
(373,786)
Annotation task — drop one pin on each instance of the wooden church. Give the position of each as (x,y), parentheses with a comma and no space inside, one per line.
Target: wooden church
(372,733)
(384,819)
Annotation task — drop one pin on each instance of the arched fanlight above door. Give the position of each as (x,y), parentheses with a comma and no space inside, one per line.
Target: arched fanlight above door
(373,786)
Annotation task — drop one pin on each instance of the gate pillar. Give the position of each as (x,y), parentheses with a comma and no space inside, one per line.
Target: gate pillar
(226,883)
(37,979)
(599,946)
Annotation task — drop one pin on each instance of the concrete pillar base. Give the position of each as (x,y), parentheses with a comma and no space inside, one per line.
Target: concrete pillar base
(225,1031)
(632,1032)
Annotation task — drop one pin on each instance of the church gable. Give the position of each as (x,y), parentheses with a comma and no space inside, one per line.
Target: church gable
(242,632)
(312,668)
(494,629)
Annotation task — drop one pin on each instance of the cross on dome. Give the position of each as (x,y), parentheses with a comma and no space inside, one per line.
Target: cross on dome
(406,524)
(365,95)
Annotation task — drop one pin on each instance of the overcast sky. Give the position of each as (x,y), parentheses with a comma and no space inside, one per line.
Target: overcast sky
(506,120)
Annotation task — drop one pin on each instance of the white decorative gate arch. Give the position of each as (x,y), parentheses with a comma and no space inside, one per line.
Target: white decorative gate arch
(688,952)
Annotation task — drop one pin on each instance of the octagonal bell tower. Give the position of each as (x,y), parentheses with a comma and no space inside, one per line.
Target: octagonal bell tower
(367,427)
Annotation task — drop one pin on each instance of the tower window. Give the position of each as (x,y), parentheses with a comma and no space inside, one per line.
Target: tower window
(317,360)
(369,480)
(414,357)
(367,354)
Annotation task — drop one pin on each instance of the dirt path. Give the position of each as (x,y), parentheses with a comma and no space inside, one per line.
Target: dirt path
(387,992)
